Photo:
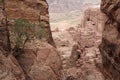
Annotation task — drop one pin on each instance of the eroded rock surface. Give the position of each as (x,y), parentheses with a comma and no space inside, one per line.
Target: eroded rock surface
(89,33)
(85,53)
(40,61)
(78,47)
(34,10)
(110,43)
(10,68)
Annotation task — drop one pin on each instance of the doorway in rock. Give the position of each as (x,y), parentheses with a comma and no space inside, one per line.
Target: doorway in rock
(77,31)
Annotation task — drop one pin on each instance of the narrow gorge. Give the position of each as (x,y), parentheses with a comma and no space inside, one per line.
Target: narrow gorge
(59,39)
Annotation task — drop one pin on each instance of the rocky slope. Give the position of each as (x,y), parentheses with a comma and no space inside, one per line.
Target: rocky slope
(78,47)
(111,39)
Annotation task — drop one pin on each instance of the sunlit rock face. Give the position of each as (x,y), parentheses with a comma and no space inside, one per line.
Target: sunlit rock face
(89,33)
(85,53)
(34,10)
(95,18)
(110,46)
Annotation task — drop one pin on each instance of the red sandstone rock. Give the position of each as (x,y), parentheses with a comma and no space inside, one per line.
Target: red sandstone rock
(40,61)
(10,69)
(35,11)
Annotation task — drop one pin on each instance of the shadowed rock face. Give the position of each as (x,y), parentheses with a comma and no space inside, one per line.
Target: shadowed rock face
(4,37)
(34,10)
(110,46)
(10,69)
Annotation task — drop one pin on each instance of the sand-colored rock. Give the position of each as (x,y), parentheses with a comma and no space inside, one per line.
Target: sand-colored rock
(85,56)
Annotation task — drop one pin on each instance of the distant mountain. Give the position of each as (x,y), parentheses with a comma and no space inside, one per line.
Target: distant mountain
(69,5)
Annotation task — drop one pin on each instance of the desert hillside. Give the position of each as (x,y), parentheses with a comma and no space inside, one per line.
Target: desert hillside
(69,5)
(68,12)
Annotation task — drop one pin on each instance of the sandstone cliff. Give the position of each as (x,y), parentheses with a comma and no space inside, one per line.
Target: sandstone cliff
(37,61)
(110,46)
(34,10)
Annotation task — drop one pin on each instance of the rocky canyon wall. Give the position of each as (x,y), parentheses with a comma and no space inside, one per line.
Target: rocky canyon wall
(94,17)
(38,60)
(85,55)
(110,46)
(89,33)
(34,10)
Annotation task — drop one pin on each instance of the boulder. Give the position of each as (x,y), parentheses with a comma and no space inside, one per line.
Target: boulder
(40,61)
(10,69)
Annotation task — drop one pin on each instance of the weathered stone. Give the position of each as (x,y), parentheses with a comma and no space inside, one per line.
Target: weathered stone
(110,47)
(89,33)
(85,56)
(4,34)
(40,61)
(10,69)
(35,11)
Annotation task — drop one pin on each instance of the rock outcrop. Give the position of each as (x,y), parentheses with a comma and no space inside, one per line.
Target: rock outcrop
(94,18)
(36,11)
(81,62)
(40,61)
(10,68)
(89,33)
(4,34)
(110,46)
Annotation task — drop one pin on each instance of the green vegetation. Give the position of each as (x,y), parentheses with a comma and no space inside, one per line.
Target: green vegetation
(40,32)
(22,30)
(2,1)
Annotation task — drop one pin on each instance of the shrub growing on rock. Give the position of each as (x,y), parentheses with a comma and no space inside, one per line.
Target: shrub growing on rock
(23,32)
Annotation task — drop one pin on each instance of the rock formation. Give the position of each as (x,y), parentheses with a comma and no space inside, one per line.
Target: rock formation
(89,33)
(82,61)
(4,34)
(36,11)
(40,61)
(93,17)
(10,68)
(110,48)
